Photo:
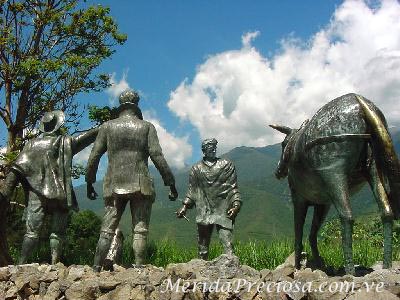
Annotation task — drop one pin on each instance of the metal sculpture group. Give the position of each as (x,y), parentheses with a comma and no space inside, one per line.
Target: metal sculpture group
(326,160)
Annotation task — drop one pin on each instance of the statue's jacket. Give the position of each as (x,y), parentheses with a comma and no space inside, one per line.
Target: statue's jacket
(129,142)
(213,189)
(45,163)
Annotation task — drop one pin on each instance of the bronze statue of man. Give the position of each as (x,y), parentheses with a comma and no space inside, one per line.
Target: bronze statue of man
(44,169)
(214,191)
(129,142)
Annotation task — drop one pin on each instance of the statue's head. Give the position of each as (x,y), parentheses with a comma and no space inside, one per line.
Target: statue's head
(129,97)
(209,148)
(51,121)
(282,170)
(128,101)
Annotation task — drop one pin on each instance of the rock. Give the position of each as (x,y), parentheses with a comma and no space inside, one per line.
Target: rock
(12,292)
(223,267)
(266,275)
(248,272)
(53,291)
(75,273)
(107,281)
(307,274)
(121,292)
(364,295)
(4,274)
(290,261)
(83,290)
(185,270)
(379,266)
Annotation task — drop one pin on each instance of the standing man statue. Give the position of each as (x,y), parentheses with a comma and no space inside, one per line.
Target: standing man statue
(129,142)
(44,169)
(213,190)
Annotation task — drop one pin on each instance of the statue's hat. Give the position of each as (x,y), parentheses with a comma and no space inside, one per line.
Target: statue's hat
(52,121)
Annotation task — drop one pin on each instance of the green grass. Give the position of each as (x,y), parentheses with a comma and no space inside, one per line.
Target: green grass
(260,254)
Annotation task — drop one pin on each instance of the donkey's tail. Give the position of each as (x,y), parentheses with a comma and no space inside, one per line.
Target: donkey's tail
(384,153)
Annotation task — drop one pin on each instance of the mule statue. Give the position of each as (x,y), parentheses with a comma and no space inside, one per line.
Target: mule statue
(329,158)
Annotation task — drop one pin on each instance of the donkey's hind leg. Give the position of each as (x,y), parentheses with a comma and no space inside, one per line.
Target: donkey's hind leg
(336,185)
(376,182)
(300,212)
(320,212)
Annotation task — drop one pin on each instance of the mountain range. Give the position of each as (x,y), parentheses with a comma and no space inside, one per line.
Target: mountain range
(266,212)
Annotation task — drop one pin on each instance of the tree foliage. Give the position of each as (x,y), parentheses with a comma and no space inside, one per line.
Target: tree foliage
(99,115)
(49,51)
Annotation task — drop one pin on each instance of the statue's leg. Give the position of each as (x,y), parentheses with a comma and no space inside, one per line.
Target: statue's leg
(320,212)
(114,207)
(300,212)
(226,236)
(204,237)
(6,191)
(34,220)
(337,189)
(141,212)
(57,236)
(375,180)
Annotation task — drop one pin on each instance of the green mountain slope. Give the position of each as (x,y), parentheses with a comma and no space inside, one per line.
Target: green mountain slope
(266,213)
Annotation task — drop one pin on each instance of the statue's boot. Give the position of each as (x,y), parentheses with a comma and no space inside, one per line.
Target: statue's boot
(203,252)
(103,245)
(139,248)
(28,245)
(56,244)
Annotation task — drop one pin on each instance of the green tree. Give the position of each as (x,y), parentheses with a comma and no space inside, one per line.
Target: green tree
(49,52)
(82,235)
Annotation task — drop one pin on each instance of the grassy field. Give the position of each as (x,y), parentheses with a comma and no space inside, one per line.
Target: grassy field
(262,255)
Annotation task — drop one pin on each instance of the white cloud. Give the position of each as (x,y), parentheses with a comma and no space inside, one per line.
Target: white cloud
(175,149)
(235,94)
(117,87)
(248,38)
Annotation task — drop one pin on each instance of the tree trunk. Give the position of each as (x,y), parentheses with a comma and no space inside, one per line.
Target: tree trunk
(14,134)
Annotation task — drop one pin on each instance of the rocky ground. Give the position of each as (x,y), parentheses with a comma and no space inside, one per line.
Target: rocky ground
(222,278)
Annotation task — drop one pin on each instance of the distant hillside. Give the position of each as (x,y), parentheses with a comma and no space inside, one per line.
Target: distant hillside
(266,213)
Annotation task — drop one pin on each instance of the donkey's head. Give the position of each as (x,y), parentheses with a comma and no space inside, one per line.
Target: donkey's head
(282,169)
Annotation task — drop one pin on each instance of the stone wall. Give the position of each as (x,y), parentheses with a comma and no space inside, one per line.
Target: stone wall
(222,278)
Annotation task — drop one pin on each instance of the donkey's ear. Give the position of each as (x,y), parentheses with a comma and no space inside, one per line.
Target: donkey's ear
(284,129)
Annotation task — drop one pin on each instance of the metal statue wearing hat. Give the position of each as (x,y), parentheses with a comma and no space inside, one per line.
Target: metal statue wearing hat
(129,142)
(43,168)
(214,191)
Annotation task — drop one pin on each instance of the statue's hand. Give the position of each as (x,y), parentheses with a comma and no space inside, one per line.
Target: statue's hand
(182,212)
(173,193)
(232,213)
(91,193)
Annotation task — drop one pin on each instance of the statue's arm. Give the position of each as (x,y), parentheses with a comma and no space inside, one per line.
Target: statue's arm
(8,187)
(235,199)
(83,140)
(157,157)
(99,148)
(189,201)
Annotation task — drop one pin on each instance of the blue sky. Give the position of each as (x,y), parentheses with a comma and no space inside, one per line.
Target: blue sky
(226,69)
(167,40)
